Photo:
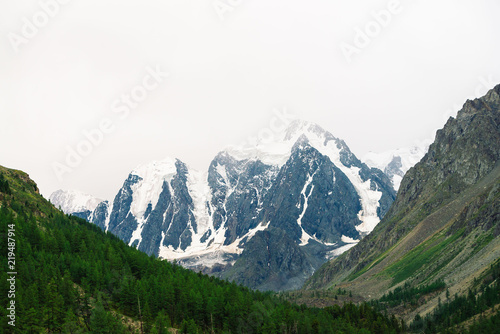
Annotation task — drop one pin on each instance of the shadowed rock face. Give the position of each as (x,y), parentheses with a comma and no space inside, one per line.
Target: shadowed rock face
(238,198)
(266,225)
(453,192)
(100,214)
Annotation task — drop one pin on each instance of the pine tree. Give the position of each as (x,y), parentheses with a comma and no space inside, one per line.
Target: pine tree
(162,323)
(102,321)
(54,309)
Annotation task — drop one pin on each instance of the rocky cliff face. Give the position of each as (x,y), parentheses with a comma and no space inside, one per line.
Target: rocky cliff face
(266,216)
(444,223)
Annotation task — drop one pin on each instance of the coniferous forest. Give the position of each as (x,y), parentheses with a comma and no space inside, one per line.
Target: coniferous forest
(450,315)
(71,277)
(475,312)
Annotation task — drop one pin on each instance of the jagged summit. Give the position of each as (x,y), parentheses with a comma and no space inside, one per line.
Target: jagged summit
(160,168)
(149,183)
(473,107)
(311,130)
(276,149)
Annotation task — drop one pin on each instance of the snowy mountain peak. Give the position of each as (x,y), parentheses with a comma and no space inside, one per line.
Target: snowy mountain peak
(395,163)
(147,189)
(297,128)
(300,142)
(156,169)
(73,201)
(278,151)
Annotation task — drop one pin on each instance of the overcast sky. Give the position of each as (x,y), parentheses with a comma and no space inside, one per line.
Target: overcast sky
(378,74)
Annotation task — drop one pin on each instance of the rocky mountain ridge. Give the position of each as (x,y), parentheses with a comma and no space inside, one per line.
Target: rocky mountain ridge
(445,222)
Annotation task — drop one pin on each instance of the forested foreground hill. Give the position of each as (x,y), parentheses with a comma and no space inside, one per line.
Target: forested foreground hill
(73,278)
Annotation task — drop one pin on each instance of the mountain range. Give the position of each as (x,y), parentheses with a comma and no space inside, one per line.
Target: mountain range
(266,216)
(62,274)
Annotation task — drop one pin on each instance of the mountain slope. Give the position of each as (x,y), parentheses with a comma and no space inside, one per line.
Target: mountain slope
(306,184)
(71,277)
(444,223)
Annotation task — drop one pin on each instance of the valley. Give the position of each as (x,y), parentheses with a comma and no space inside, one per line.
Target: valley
(302,218)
